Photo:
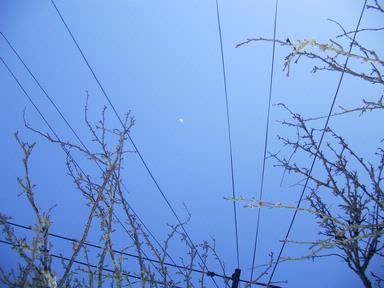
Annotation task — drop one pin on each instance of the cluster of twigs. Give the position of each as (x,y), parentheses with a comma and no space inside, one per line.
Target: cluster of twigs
(353,221)
(346,192)
(332,55)
(104,194)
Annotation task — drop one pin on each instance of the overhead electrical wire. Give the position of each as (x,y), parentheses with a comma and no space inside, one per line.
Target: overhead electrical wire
(65,238)
(79,139)
(131,139)
(319,145)
(58,139)
(127,274)
(82,144)
(229,133)
(265,140)
(87,243)
(209,273)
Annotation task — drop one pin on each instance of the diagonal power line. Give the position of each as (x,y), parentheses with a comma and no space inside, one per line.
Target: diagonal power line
(319,145)
(152,261)
(265,140)
(229,133)
(65,238)
(130,138)
(68,153)
(127,274)
(83,145)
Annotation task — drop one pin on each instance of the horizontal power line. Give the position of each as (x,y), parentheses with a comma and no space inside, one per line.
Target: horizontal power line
(209,273)
(127,274)
(100,247)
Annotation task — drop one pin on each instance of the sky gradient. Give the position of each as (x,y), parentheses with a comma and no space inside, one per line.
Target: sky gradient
(161,61)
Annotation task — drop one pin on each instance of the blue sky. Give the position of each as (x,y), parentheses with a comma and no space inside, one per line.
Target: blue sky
(161,60)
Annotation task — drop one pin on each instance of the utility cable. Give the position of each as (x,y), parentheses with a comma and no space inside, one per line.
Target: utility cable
(82,144)
(67,152)
(265,140)
(127,274)
(318,147)
(131,140)
(229,133)
(65,238)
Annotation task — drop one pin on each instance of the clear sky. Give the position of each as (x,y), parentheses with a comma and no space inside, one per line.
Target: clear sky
(161,60)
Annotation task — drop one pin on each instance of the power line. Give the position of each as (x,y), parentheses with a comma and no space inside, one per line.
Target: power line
(265,140)
(65,238)
(127,274)
(82,143)
(114,251)
(229,132)
(44,91)
(320,142)
(130,138)
(62,146)
(29,98)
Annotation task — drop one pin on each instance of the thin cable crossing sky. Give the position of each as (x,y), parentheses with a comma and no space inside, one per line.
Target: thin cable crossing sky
(319,145)
(130,138)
